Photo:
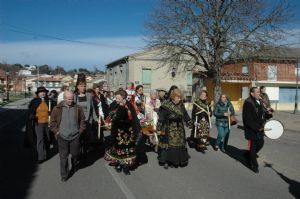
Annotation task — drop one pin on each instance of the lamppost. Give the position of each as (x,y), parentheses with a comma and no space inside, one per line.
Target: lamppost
(25,87)
(7,86)
(297,79)
(38,76)
(173,72)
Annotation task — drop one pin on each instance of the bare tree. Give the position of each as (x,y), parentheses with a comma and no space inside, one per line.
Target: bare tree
(209,32)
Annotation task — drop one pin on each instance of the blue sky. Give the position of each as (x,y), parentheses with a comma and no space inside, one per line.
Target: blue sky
(109,29)
(116,27)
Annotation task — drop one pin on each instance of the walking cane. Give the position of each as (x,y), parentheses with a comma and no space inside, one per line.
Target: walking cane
(195,133)
(228,119)
(99,120)
(49,116)
(208,116)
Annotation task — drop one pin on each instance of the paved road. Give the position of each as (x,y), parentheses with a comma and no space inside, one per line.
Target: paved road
(211,175)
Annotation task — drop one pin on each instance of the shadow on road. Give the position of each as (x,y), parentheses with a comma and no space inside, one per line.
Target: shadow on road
(97,151)
(294,186)
(17,163)
(238,154)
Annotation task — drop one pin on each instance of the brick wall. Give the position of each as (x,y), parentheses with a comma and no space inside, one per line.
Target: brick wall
(285,71)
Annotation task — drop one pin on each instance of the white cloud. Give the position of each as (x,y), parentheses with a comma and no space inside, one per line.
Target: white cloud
(101,51)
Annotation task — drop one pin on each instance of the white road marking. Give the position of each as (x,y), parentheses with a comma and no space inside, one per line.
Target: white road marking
(120,182)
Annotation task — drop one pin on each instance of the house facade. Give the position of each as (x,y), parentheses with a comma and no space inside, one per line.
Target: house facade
(148,69)
(276,69)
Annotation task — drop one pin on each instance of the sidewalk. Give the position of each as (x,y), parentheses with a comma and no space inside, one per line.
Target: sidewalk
(289,120)
(16,104)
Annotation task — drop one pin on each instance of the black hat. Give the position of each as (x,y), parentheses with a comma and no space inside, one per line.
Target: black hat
(41,89)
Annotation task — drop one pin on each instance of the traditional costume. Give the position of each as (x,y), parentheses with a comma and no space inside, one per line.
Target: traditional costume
(172,142)
(200,116)
(125,128)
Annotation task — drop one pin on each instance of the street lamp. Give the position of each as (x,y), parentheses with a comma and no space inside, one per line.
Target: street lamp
(7,86)
(297,79)
(38,76)
(173,72)
(25,87)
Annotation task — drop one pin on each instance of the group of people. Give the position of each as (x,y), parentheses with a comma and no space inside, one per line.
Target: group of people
(80,117)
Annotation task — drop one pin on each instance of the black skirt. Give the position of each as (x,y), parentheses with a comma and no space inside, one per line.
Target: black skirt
(174,156)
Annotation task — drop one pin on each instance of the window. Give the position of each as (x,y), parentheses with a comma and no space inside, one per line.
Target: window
(245,92)
(146,76)
(287,95)
(189,77)
(245,69)
(296,71)
(272,73)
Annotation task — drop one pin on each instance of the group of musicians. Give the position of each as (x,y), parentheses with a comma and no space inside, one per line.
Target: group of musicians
(135,122)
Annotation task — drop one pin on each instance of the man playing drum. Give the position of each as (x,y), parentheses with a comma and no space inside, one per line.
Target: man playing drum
(253,119)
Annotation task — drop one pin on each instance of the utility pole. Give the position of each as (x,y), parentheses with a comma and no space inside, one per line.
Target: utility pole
(7,86)
(297,79)
(38,76)
(25,87)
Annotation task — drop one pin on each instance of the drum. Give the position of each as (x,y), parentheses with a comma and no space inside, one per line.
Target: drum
(273,129)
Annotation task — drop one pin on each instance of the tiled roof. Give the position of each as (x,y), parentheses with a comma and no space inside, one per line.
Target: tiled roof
(49,79)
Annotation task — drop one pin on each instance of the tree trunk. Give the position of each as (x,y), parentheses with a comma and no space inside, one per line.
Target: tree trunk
(217,84)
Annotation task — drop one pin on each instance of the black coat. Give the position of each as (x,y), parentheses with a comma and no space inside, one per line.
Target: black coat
(30,137)
(253,119)
(121,118)
(104,105)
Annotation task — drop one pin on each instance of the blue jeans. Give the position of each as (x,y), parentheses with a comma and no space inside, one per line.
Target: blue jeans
(222,132)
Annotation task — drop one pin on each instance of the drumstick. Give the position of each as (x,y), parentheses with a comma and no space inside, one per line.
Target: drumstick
(49,116)
(99,121)
(208,113)
(156,141)
(195,133)
(228,119)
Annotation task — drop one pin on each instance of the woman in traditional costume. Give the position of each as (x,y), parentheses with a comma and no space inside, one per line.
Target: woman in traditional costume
(140,99)
(172,148)
(151,110)
(125,128)
(201,114)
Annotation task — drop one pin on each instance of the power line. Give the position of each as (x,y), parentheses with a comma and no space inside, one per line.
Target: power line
(20,30)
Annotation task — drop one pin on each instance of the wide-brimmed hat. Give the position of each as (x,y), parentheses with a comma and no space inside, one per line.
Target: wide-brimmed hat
(41,89)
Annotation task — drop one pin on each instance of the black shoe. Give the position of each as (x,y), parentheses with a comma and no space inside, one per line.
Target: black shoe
(161,163)
(143,161)
(64,179)
(255,170)
(73,170)
(216,148)
(166,166)
(202,150)
(126,170)
(118,168)
(40,161)
(183,164)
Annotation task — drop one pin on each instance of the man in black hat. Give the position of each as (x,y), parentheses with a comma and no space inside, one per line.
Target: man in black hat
(37,127)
